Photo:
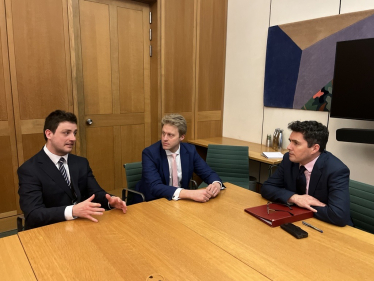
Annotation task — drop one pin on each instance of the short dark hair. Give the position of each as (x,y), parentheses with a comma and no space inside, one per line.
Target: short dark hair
(55,118)
(313,132)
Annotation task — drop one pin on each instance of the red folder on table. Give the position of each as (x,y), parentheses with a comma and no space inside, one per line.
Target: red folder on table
(279,214)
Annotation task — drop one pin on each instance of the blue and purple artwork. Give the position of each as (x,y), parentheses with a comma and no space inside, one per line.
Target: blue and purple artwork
(300,59)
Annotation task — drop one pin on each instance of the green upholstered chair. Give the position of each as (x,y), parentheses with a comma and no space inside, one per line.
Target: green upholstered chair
(133,175)
(362,205)
(231,163)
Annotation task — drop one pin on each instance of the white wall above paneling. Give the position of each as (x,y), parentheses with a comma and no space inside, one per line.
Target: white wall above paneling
(244,114)
(247,26)
(358,157)
(350,6)
(280,118)
(287,11)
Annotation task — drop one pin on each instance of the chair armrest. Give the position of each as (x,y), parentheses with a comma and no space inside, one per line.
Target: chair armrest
(20,220)
(193,184)
(133,191)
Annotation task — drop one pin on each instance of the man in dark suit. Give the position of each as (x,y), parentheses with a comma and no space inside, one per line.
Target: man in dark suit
(311,177)
(168,166)
(55,185)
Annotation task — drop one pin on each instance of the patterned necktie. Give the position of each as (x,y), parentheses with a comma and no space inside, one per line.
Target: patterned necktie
(174,170)
(65,175)
(63,171)
(301,181)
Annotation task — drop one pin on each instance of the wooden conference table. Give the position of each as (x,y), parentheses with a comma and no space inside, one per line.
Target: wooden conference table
(13,260)
(185,240)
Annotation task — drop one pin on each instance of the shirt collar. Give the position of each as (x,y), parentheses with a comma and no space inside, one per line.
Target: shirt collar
(309,166)
(168,152)
(55,158)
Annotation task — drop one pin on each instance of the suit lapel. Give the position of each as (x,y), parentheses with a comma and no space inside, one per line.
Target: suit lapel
(316,173)
(185,166)
(73,170)
(51,170)
(165,166)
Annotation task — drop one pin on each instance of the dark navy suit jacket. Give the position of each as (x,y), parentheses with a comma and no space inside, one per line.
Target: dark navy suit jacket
(329,183)
(155,174)
(44,194)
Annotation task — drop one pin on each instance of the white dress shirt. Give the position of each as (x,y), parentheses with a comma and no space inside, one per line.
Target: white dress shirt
(179,172)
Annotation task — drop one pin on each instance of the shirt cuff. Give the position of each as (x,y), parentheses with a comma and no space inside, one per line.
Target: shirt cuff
(69,213)
(220,183)
(176,194)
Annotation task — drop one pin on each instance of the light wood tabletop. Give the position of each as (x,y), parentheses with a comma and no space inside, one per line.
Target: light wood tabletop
(339,253)
(145,242)
(254,149)
(14,264)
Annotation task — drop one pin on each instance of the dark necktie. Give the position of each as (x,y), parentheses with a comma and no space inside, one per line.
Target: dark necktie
(301,181)
(65,175)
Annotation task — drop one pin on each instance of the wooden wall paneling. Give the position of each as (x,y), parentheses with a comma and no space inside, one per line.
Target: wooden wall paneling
(7,184)
(32,144)
(97,74)
(210,67)
(77,72)
(8,149)
(155,72)
(100,153)
(39,57)
(178,47)
(133,143)
(131,78)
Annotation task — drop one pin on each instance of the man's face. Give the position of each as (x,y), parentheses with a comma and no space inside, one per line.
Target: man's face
(299,151)
(170,138)
(62,141)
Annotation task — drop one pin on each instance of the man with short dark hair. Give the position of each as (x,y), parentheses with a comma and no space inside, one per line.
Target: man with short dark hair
(55,185)
(311,177)
(168,166)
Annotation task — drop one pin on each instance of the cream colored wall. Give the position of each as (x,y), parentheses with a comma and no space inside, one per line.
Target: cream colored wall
(245,117)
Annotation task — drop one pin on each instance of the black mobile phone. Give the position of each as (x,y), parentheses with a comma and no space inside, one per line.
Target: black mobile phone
(294,230)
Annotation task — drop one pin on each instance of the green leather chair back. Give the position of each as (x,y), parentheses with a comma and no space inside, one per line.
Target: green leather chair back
(362,205)
(133,175)
(231,163)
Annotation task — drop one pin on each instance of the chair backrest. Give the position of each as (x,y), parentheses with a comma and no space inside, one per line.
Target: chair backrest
(362,205)
(231,163)
(133,175)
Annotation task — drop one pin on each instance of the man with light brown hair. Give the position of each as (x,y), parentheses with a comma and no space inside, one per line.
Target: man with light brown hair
(168,166)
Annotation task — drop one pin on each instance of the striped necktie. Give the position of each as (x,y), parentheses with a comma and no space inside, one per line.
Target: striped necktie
(62,170)
(65,175)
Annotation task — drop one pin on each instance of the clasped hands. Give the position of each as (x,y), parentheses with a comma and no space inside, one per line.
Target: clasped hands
(87,208)
(201,195)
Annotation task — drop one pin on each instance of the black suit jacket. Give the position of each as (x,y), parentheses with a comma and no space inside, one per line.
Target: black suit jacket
(44,194)
(155,171)
(329,183)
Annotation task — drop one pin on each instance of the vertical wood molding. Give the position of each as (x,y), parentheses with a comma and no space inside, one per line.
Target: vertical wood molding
(72,7)
(114,57)
(10,126)
(147,78)
(13,75)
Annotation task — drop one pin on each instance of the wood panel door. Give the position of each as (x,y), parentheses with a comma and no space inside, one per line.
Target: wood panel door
(113,85)
(8,149)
